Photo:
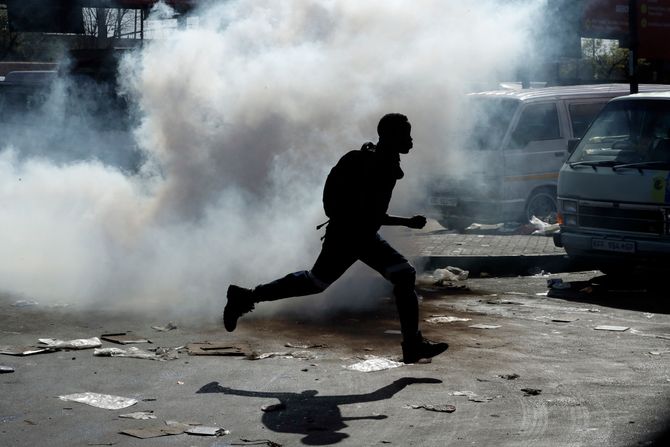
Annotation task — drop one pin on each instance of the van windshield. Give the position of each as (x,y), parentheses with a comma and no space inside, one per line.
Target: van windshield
(635,132)
(489,119)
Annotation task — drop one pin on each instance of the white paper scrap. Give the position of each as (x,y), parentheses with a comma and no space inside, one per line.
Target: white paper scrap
(79,343)
(105,401)
(438,319)
(484,326)
(140,415)
(612,328)
(374,364)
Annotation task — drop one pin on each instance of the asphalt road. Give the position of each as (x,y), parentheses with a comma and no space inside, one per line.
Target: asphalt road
(540,375)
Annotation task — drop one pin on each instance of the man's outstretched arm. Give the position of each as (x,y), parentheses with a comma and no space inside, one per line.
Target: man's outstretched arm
(417,221)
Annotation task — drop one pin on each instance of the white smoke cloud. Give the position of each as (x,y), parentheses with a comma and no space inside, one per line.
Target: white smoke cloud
(240,119)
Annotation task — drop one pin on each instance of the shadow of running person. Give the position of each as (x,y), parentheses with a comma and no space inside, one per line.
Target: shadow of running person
(317,417)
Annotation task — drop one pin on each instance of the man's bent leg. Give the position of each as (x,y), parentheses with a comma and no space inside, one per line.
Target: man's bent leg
(386,260)
(294,284)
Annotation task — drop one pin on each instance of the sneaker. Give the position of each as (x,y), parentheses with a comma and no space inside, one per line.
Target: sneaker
(240,301)
(421,348)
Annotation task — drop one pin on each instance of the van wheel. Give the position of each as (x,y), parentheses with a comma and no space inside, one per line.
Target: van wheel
(454,224)
(542,204)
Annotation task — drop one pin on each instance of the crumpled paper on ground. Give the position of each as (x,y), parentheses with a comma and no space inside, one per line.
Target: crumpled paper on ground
(106,401)
(372,364)
(79,343)
(439,319)
(161,354)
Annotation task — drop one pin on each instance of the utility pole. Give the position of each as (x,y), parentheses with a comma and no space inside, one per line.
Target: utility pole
(633,44)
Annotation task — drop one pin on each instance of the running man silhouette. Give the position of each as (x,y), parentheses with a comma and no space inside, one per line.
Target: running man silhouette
(356,198)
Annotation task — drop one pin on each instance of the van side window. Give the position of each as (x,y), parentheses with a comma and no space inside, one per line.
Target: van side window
(537,122)
(581,116)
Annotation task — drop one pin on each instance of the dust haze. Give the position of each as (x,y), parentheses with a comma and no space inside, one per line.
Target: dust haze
(237,120)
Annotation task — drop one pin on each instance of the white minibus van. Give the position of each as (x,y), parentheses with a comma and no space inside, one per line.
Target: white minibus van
(514,143)
(614,189)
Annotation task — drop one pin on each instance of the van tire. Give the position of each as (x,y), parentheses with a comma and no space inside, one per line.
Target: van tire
(542,204)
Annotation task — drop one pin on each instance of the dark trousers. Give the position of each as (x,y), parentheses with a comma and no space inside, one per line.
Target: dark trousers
(339,251)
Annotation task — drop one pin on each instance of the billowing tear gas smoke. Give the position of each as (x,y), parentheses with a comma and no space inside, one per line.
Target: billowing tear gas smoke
(239,119)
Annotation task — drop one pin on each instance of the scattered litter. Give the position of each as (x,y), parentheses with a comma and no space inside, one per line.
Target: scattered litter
(543,228)
(79,343)
(6,369)
(168,327)
(450,274)
(372,364)
(180,382)
(612,328)
(215,348)
(659,352)
(105,401)
(509,376)
(273,407)
(531,391)
(183,425)
(139,415)
(314,346)
(437,408)
(304,355)
(503,302)
(393,332)
(23,350)
(202,430)
(664,337)
(485,227)
(541,293)
(472,396)
(265,442)
(484,326)
(438,319)
(564,320)
(124,338)
(25,303)
(153,432)
(541,274)
(648,315)
(160,354)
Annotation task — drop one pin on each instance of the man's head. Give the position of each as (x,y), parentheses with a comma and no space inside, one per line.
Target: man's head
(394,132)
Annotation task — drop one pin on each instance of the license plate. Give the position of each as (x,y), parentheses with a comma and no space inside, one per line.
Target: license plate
(444,201)
(610,245)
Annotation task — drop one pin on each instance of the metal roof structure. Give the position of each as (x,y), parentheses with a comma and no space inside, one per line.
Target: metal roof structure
(571,91)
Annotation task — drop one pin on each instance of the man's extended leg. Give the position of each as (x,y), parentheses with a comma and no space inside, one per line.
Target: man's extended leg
(335,258)
(393,266)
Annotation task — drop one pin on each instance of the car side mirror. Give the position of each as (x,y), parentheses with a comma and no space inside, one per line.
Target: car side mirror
(572,144)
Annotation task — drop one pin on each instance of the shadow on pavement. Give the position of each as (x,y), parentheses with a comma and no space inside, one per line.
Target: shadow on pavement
(318,418)
(644,294)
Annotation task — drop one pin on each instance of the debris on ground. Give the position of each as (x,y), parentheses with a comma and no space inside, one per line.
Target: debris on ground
(472,397)
(512,376)
(612,328)
(160,354)
(6,369)
(124,338)
(152,432)
(543,228)
(485,227)
(105,401)
(531,391)
(23,350)
(265,442)
(25,303)
(499,301)
(444,278)
(273,407)
(651,352)
(201,430)
(484,326)
(168,327)
(79,343)
(564,320)
(436,408)
(439,319)
(306,346)
(372,364)
(139,415)
(303,355)
(215,348)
